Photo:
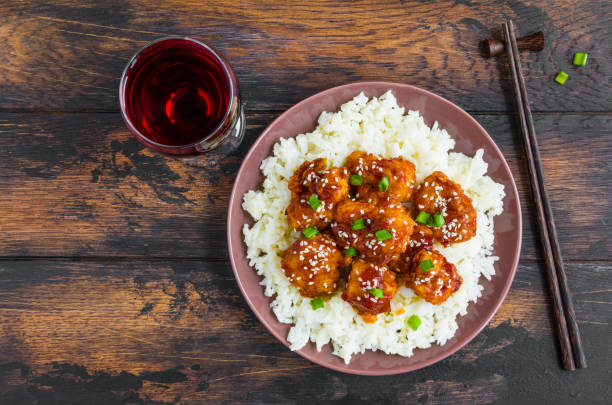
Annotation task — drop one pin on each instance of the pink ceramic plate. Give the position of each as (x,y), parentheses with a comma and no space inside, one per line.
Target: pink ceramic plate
(469,137)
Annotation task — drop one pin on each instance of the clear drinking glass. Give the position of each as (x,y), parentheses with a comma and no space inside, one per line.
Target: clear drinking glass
(179,96)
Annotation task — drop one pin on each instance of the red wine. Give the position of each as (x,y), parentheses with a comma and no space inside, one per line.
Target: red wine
(176,92)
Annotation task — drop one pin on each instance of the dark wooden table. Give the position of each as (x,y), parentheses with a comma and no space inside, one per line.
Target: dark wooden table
(114,281)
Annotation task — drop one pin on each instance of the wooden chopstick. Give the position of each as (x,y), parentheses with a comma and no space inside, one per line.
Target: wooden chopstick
(565,319)
(577,348)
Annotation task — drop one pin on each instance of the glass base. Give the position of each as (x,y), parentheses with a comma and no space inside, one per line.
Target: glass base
(235,137)
(232,139)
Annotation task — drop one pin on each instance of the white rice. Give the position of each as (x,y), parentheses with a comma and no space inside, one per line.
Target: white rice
(377,125)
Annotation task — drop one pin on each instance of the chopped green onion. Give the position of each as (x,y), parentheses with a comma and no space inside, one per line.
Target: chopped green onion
(377,292)
(426,265)
(438,219)
(422,218)
(358,224)
(580,58)
(314,202)
(430,222)
(561,77)
(414,322)
(383,185)
(310,232)
(317,303)
(383,234)
(355,180)
(350,251)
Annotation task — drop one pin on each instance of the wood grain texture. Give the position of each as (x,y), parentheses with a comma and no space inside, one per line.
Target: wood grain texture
(81,185)
(285,52)
(180,332)
(114,288)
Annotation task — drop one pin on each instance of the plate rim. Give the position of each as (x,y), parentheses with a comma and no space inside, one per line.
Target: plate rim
(412,367)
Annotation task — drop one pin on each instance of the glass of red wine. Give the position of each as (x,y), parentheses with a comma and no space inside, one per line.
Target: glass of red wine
(179,96)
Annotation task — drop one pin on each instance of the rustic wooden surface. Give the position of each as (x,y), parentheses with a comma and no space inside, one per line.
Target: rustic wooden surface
(114,281)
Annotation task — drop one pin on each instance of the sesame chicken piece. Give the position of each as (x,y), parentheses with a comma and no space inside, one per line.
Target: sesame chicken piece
(311,265)
(421,238)
(399,172)
(373,222)
(330,186)
(439,194)
(370,288)
(434,284)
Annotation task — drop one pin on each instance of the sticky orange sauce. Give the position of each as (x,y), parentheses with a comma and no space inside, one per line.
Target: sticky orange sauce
(369,318)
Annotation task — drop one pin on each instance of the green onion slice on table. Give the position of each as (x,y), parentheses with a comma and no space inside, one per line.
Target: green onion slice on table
(580,58)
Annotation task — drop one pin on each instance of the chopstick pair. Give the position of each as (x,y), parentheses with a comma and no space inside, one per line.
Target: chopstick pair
(569,336)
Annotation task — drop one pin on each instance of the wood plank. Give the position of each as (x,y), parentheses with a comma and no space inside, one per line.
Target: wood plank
(283,53)
(106,332)
(81,185)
